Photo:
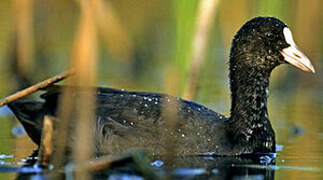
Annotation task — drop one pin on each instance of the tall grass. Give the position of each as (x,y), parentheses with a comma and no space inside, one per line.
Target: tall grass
(185,16)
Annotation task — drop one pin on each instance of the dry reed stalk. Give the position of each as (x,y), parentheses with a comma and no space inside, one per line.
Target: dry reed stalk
(62,131)
(79,110)
(170,115)
(137,160)
(205,19)
(24,31)
(46,148)
(115,36)
(100,163)
(84,61)
(23,57)
(35,87)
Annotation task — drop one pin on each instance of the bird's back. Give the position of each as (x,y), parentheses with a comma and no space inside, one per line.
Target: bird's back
(139,120)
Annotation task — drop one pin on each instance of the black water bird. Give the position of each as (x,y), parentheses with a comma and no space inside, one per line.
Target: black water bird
(134,120)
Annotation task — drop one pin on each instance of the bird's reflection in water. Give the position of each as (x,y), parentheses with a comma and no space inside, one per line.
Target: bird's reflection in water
(255,166)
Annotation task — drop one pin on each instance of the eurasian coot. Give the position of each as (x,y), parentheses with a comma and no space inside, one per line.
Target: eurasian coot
(134,120)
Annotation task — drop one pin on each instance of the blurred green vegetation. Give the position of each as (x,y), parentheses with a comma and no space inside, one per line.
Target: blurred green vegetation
(148,38)
(185,14)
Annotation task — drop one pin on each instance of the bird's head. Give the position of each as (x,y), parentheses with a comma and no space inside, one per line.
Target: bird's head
(264,43)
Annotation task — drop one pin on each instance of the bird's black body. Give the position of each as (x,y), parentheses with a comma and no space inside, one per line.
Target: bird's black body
(135,120)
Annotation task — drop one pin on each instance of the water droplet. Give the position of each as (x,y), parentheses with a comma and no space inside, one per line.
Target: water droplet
(183,135)
(132,123)
(156,102)
(124,121)
(247,137)
(262,104)
(189,172)
(265,159)
(146,105)
(215,171)
(18,131)
(157,163)
(4,156)
(279,147)
(267,91)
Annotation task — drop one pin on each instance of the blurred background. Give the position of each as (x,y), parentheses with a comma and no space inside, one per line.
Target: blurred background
(149,45)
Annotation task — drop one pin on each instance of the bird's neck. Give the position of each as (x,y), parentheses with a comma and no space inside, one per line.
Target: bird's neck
(249,88)
(249,92)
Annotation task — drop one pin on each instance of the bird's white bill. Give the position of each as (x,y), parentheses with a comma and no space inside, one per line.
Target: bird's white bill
(294,55)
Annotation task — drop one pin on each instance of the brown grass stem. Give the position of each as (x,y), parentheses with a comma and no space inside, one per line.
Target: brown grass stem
(204,21)
(46,148)
(35,87)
